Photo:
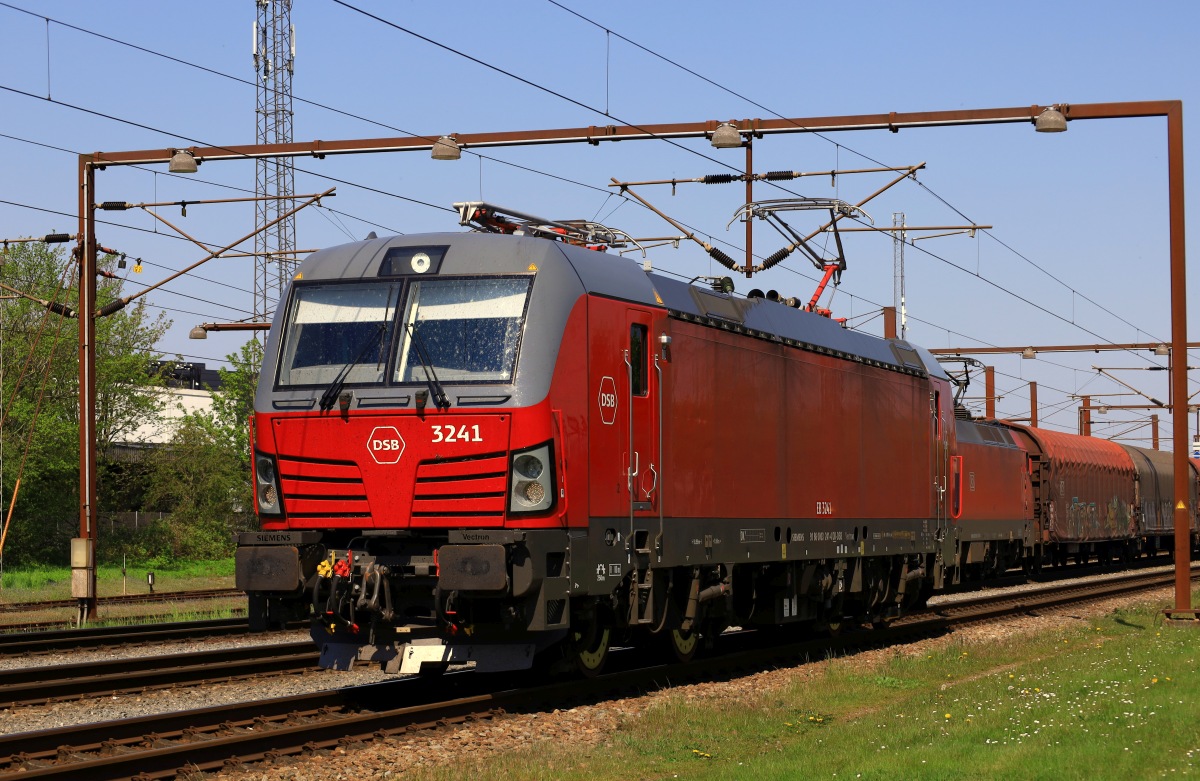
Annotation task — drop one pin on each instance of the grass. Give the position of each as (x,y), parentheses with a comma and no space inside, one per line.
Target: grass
(46,583)
(1111,698)
(39,584)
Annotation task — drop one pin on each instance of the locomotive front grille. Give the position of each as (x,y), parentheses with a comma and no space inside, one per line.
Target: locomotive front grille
(318,488)
(470,491)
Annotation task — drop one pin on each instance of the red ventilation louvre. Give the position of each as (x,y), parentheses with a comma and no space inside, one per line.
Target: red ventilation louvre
(322,489)
(467,491)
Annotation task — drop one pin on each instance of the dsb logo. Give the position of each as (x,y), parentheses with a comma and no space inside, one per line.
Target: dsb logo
(385,445)
(607,400)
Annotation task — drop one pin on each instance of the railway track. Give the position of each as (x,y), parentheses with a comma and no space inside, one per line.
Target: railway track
(124,599)
(101,637)
(206,739)
(985,607)
(38,685)
(36,627)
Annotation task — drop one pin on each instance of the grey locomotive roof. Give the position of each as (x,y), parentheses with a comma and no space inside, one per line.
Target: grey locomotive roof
(983,433)
(616,277)
(770,319)
(469,253)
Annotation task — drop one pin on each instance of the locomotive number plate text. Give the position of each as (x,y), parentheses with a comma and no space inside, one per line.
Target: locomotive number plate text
(452,433)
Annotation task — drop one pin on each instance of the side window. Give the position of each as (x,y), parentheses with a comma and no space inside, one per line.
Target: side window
(637,359)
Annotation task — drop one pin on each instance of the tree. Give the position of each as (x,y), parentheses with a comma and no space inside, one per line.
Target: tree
(39,383)
(201,487)
(233,406)
(203,477)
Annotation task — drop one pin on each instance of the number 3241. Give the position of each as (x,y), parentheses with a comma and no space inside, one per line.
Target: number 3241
(450,433)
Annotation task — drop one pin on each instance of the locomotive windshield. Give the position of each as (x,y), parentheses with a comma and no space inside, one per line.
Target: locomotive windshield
(334,326)
(469,328)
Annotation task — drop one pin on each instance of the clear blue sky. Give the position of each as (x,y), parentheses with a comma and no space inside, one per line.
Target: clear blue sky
(1086,207)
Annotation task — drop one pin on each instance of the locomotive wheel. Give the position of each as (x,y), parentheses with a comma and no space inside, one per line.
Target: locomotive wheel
(684,644)
(834,619)
(589,647)
(834,626)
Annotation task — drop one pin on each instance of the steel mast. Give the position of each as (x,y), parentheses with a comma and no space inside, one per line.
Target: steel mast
(899,236)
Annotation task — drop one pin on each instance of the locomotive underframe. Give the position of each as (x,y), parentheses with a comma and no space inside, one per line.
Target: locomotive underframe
(498,598)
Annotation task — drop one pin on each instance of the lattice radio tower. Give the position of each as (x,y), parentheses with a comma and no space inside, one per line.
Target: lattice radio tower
(275,247)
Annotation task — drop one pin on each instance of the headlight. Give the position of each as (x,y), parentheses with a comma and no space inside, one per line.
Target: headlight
(533,492)
(528,466)
(532,483)
(266,487)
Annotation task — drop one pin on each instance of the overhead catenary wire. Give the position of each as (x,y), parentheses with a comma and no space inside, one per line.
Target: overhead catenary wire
(130,228)
(152,354)
(299,99)
(545,89)
(682,276)
(199,142)
(158,265)
(541,87)
(581,104)
(1023,299)
(193,179)
(866,157)
(839,146)
(932,254)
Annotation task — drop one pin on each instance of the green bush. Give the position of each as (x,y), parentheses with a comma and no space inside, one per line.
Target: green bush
(167,541)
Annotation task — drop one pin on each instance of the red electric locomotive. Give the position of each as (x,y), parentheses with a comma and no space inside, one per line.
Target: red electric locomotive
(995,529)
(516,443)
(490,447)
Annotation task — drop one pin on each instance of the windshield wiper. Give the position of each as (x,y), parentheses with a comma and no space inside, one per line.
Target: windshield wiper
(329,397)
(439,394)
